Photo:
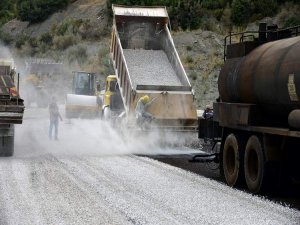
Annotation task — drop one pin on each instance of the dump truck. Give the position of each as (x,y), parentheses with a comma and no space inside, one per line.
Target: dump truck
(146,62)
(256,120)
(84,101)
(11,106)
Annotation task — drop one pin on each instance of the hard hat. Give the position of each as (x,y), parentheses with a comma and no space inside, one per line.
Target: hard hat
(208,107)
(145,99)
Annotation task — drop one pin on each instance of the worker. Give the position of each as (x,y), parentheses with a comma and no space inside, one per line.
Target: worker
(140,110)
(54,118)
(208,112)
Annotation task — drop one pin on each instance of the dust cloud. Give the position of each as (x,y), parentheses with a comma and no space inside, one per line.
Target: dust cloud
(91,137)
(87,137)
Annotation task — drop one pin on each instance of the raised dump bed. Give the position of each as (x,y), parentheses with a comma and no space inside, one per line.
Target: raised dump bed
(146,62)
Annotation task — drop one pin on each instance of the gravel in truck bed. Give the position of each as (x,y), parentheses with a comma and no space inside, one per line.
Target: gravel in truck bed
(150,67)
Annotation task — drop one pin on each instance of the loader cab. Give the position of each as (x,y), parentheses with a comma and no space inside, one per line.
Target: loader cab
(84,83)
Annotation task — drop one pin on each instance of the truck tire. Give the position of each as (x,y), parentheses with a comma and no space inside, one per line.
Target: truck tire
(7,144)
(254,165)
(232,163)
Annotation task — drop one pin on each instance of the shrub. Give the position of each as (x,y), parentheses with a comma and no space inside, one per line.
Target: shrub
(193,75)
(63,42)
(265,7)
(46,38)
(33,42)
(241,11)
(77,53)
(189,48)
(20,41)
(6,38)
(292,21)
(213,4)
(38,10)
(7,11)
(189,59)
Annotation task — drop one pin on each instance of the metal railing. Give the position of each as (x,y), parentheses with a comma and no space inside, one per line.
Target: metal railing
(275,34)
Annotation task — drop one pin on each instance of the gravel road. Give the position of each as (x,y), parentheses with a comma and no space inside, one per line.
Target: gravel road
(90,177)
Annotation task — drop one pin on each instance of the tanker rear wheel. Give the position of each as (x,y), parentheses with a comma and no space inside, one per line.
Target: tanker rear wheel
(254,165)
(232,164)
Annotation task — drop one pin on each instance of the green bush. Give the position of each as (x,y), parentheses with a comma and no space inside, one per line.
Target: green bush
(46,38)
(20,41)
(241,11)
(6,38)
(77,53)
(38,10)
(265,7)
(33,42)
(214,4)
(189,48)
(7,11)
(63,42)
(189,59)
(292,21)
(194,75)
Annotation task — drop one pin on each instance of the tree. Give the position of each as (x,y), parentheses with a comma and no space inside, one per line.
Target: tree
(241,11)
(38,10)
(7,11)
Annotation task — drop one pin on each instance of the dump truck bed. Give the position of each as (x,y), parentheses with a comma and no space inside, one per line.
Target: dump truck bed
(146,63)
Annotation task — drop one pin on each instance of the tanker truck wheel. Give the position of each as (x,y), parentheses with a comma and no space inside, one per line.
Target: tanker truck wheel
(232,163)
(254,164)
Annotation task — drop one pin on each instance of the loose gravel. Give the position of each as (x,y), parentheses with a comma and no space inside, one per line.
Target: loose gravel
(100,183)
(150,67)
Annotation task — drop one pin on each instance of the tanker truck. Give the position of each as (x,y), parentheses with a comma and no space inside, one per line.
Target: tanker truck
(146,63)
(256,119)
(11,106)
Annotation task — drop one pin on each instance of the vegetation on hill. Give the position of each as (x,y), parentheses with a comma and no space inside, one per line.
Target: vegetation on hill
(188,14)
(192,14)
(29,10)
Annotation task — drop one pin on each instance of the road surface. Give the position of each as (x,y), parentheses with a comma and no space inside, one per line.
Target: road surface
(90,176)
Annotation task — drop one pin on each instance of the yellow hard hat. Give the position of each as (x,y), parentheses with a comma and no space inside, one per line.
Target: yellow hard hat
(145,99)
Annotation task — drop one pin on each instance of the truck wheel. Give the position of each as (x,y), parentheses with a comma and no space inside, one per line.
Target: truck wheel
(6,146)
(233,160)
(254,164)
